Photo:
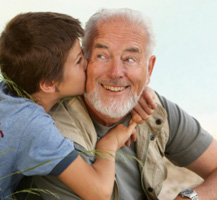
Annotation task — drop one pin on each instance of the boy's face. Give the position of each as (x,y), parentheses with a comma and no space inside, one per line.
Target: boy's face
(74,75)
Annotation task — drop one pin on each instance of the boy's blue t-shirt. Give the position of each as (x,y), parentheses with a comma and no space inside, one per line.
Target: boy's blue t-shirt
(30,144)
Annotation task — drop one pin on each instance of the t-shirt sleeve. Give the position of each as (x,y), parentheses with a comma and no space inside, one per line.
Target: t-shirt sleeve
(64,163)
(188,140)
(42,149)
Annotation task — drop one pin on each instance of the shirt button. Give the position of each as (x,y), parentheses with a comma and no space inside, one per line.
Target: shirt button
(158,121)
(150,189)
(152,137)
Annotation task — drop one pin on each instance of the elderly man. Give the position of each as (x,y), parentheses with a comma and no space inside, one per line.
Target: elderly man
(118,45)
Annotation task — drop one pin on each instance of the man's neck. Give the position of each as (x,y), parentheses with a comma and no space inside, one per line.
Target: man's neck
(100,118)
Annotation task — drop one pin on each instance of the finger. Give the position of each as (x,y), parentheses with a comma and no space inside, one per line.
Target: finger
(136,117)
(127,143)
(140,119)
(150,101)
(141,110)
(145,106)
(133,136)
(132,126)
(149,96)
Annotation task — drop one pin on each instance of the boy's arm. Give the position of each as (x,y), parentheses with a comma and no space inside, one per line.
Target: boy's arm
(145,106)
(96,181)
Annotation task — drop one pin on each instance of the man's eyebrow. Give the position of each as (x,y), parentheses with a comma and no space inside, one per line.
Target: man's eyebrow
(98,45)
(133,49)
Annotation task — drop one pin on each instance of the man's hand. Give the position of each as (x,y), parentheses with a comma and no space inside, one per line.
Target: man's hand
(145,106)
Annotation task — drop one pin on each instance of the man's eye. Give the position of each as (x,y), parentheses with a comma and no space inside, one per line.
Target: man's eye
(130,60)
(101,56)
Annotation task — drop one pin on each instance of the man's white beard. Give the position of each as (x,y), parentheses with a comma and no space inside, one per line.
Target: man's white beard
(115,107)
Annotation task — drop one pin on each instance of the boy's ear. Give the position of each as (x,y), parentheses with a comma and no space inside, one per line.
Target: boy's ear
(47,86)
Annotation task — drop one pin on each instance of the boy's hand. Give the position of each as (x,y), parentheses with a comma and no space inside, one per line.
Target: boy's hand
(119,136)
(145,106)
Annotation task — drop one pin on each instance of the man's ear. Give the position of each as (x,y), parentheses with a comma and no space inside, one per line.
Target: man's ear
(47,86)
(151,64)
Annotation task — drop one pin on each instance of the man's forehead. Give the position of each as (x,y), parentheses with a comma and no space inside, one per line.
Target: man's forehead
(132,38)
(120,24)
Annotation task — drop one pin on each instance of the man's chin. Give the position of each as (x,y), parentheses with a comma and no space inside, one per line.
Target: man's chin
(112,108)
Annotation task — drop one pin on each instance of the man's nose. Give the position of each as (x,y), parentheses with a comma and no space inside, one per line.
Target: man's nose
(116,69)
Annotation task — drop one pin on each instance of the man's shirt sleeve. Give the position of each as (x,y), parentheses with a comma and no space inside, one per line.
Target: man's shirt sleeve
(188,140)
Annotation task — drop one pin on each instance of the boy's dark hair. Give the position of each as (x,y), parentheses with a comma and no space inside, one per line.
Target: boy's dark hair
(34,48)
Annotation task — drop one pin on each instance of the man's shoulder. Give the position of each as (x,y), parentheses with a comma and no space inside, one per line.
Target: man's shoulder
(69,109)
(73,121)
(161,100)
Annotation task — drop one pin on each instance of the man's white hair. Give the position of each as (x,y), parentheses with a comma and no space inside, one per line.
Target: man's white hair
(136,18)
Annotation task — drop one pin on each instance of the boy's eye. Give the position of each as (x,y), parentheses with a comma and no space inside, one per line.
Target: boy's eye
(79,61)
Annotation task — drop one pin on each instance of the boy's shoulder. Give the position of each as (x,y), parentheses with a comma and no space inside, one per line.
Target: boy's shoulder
(16,112)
